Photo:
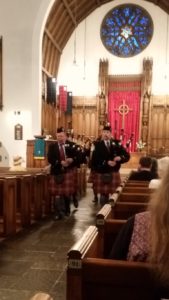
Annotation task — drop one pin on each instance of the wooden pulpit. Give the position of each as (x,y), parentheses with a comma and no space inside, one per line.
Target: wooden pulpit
(31,160)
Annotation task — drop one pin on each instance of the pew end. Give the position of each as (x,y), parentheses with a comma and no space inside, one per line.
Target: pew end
(87,246)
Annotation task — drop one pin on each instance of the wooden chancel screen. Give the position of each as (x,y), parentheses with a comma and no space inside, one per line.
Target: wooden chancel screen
(159,126)
(125,103)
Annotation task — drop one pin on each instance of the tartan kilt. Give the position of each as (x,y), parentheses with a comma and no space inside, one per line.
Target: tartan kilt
(67,187)
(90,178)
(101,188)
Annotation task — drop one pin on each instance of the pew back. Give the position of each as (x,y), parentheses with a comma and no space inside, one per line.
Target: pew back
(137,189)
(133,197)
(124,210)
(92,277)
(109,279)
(136,183)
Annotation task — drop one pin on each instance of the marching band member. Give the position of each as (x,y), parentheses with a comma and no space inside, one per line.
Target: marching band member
(107,157)
(63,158)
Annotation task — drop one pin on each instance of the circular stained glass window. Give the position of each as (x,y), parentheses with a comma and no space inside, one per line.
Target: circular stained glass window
(126,30)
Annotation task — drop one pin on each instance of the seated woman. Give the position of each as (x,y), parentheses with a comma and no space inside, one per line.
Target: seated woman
(162,165)
(145,236)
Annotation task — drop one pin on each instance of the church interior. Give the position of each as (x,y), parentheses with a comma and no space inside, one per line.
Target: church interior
(72,64)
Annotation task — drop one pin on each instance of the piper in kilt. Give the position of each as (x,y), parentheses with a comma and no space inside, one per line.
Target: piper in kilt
(63,158)
(107,156)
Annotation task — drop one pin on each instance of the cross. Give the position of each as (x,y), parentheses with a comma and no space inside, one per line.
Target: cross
(123,110)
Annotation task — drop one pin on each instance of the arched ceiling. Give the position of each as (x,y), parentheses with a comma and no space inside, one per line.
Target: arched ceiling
(64,16)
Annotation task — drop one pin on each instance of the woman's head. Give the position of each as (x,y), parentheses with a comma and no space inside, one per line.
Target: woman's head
(163,164)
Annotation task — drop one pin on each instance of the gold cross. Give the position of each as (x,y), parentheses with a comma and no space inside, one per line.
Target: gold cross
(123,110)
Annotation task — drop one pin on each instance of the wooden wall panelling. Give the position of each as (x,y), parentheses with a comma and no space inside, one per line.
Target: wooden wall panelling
(87,123)
(158,126)
(85,116)
(80,124)
(48,119)
(94,124)
(74,120)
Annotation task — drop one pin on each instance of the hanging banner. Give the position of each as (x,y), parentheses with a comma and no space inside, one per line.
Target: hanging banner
(69,103)
(39,149)
(63,98)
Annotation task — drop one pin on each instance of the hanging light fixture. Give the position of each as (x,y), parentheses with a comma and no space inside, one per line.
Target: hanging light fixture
(84,60)
(74,49)
(75,31)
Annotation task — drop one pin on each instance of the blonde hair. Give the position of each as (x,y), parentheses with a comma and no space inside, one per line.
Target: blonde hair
(41,296)
(159,209)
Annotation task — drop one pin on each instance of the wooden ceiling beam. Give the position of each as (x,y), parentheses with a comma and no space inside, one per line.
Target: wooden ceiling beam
(70,12)
(53,41)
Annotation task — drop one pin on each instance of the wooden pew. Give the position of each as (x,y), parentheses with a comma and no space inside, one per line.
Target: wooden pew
(136,183)
(24,197)
(38,196)
(115,216)
(133,197)
(137,189)
(8,195)
(87,245)
(112,279)
(32,197)
(120,210)
(107,227)
(124,210)
(132,194)
(90,276)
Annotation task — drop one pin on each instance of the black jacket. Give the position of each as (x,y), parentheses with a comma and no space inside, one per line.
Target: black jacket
(101,155)
(54,157)
(142,175)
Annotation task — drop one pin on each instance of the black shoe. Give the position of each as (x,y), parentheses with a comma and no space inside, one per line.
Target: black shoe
(67,211)
(95,200)
(75,203)
(67,214)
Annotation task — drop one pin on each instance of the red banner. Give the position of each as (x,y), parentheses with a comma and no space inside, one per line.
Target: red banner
(63,98)
(124,111)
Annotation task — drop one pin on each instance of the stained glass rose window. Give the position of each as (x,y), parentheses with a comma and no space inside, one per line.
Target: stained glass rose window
(126,30)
